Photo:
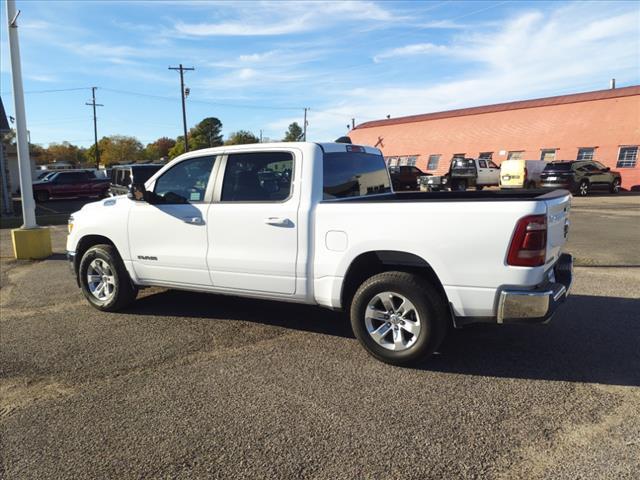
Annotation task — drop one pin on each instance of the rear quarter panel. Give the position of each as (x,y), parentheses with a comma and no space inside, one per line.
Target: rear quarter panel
(464,242)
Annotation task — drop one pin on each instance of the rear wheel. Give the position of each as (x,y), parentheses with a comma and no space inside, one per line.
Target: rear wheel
(399,317)
(615,186)
(583,188)
(479,187)
(42,196)
(104,279)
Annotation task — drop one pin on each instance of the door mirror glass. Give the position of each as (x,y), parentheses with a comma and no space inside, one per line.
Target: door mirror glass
(606,169)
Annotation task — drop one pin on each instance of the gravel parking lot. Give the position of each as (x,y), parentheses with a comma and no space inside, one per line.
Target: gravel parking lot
(187,385)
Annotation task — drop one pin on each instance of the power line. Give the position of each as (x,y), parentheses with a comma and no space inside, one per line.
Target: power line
(8,92)
(203,102)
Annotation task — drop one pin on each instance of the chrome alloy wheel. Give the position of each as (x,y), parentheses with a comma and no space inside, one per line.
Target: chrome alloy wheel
(100,280)
(584,189)
(392,321)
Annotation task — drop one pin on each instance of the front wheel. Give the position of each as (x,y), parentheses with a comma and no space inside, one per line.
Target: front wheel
(399,317)
(615,186)
(104,279)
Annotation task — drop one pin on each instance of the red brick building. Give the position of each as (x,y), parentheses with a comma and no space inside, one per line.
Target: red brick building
(603,125)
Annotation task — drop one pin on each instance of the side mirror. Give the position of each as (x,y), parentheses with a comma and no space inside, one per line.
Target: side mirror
(138,192)
(607,169)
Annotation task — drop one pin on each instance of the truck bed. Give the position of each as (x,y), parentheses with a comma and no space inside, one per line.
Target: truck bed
(520,195)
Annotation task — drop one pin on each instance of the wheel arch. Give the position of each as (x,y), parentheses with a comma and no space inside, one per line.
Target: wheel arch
(373,262)
(85,243)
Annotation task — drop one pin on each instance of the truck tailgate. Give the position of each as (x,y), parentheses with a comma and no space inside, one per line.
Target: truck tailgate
(557,225)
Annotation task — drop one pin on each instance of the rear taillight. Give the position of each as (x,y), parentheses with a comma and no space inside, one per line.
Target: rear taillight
(529,243)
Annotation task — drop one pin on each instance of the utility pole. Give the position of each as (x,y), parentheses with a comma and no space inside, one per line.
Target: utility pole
(304,128)
(29,241)
(260,135)
(182,69)
(24,162)
(95,124)
(353,123)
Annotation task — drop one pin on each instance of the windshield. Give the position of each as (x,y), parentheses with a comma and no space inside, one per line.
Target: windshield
(142,174)
(354,174)
(462,163)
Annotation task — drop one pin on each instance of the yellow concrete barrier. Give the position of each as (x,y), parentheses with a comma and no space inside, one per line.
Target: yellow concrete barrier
(31,243)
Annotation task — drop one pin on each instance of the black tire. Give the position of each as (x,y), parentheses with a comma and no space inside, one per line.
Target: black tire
(124,292)
(583,188)
(42,196)
(429,304)
(531,185)
(460,186)
(615,186)
(479,187)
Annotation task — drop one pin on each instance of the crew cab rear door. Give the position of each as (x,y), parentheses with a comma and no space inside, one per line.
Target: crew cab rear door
(253,222)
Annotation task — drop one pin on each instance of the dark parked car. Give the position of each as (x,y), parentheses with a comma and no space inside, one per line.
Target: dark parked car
(70,183)
(580,177)
(122,176)
(405,177)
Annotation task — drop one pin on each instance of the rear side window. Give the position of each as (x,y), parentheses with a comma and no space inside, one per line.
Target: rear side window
(257,177)
(354,174)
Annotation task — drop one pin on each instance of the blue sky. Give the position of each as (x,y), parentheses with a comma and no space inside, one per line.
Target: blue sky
(258,64)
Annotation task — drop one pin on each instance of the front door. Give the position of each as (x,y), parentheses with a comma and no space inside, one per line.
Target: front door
(168,236)
(483,172)
(253,227)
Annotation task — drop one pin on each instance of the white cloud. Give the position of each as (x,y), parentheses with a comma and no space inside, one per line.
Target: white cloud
(566,50)
(283,18)
(409,50)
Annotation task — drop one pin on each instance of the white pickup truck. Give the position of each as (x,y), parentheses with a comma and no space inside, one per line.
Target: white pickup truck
(318,223)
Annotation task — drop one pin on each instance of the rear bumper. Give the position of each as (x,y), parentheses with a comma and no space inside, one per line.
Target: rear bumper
(556,185)
(539,304)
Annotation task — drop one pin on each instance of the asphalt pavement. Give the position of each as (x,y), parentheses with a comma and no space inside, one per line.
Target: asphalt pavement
(187,385)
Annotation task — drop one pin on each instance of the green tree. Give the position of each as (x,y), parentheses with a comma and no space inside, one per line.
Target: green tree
(117,149)
(206,134)
(177,149)
(294,133)
(241,137)
(63,152)
(159,149)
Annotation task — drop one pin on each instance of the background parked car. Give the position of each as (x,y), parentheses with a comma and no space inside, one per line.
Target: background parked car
(521,173)
(405,177)
(580,177)
(68,184)
(464,173)
(122,176)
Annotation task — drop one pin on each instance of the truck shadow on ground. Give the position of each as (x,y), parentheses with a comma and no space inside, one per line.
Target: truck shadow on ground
(591,339)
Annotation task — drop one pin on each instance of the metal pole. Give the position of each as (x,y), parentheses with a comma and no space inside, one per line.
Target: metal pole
(184,110)
(304,129)
(95,127)
(182,69)
(24,163)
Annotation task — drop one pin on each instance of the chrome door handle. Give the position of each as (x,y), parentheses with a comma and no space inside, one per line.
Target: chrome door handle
(277,221)
(194,220)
